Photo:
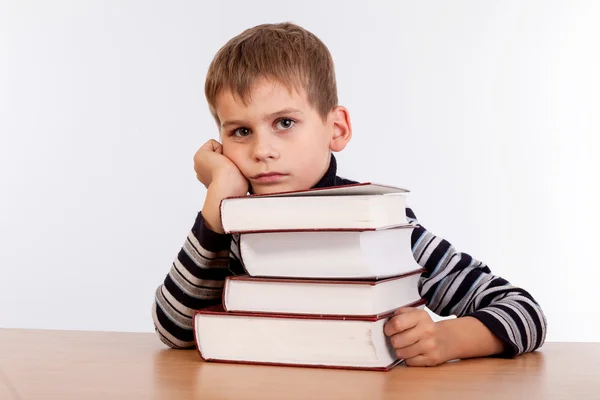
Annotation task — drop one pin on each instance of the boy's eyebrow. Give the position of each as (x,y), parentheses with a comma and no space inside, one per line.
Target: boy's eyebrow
(285,111)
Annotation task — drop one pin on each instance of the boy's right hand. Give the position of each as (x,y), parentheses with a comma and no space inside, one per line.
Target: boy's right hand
(212,166)
(221,177)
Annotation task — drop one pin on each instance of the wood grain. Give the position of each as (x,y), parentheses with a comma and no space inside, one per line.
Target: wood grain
(97,365)
(7,392)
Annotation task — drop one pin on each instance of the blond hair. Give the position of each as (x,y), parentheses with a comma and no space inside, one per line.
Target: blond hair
(284,52)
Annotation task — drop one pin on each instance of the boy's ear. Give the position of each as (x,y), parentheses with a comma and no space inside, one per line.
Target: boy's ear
(342,128)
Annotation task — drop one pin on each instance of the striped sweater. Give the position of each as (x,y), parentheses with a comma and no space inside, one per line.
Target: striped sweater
(454,283)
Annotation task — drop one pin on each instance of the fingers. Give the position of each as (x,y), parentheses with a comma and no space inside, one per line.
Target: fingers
(406,338)
(217,147)
(207,146)
(409,352)
(404,319)
(408,343)
(419,361)
(213,145)
(414,337)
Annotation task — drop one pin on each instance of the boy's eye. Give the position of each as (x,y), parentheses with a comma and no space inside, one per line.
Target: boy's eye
(241,132)
(285,123)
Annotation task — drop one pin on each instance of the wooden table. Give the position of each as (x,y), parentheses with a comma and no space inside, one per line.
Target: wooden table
(38,364)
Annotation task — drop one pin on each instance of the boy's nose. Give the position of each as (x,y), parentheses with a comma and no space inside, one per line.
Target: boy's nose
(264,149)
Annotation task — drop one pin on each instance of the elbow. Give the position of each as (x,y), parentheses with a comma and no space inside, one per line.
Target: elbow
(175,337)
(542,329)
(158,328)
(169,343)
(537,326)
(163,339)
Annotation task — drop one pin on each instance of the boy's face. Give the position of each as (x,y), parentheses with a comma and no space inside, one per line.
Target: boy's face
(278,140)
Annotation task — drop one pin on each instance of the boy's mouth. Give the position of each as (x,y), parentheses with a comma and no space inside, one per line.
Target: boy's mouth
(268,177)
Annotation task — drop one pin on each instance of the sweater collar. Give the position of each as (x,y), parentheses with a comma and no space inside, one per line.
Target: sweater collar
(329,178)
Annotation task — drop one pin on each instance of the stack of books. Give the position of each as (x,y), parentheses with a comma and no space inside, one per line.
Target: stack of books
(326,268)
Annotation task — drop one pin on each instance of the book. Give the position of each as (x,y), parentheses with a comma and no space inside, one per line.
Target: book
(281,339)
(362,206)
(359,188)
(244,293)
(329,254)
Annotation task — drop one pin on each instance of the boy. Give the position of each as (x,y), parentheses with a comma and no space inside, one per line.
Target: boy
(272,92)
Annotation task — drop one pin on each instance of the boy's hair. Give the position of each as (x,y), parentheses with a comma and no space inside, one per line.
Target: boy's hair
(284,52)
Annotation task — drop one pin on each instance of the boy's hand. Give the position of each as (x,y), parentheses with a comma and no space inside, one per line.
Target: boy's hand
(415,337)
(211,165)
(221,177)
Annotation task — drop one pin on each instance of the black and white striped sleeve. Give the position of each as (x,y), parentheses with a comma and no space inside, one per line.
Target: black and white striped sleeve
(194,281)
(457,284)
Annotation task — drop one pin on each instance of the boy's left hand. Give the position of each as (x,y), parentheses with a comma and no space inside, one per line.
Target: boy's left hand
(415,337)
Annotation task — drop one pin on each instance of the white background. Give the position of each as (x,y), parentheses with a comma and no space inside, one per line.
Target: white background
(487,111)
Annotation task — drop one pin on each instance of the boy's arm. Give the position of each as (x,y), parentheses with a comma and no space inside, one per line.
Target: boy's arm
(194,281)
(198,273)
(456,284)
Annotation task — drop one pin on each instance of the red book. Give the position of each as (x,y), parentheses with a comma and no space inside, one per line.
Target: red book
(361,206)
(287,340)
(243,293)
